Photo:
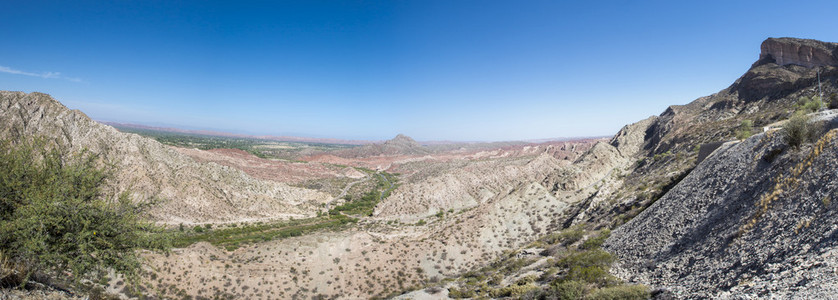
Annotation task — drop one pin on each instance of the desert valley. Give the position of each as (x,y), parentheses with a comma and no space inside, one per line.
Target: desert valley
(728,196)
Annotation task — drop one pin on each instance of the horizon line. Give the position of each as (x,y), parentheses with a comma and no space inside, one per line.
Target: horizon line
(300,138)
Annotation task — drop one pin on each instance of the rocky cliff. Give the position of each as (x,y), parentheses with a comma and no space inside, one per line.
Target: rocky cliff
(187,191)
(802,52)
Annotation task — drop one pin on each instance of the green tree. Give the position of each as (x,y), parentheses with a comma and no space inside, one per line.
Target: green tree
(56,219)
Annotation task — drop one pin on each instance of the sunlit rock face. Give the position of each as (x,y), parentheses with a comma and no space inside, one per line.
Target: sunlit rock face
(803,52)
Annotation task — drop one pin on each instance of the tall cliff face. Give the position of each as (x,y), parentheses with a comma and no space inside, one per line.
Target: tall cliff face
(802,52)
(189,191)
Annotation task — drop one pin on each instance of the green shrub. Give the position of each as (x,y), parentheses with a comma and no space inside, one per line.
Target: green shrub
(566,237)
(567,290)
(526,280)
(460,293)
(809,105)
(512,290)
(590,258)
(56,218)
(745,129)
(496,279)
(798,130)
(591,274)
(588,266)
(621,292)
(596,242)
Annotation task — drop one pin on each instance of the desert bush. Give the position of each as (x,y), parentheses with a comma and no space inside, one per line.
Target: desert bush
(568,290)
(591,274)
(433,290)
(496,279)
(566,237)
(809,105)
(512,290)
(798,130)
(833,101)
(55,218)
(456,293)
(745,129)
(596,242)
(621,292)
(596,257)
(589,266)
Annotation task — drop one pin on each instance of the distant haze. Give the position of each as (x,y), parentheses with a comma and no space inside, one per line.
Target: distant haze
(433,70)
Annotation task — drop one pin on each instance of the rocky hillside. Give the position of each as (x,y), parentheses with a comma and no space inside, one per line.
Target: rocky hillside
(186,190)
(756,218)
(466,184)
(752,220)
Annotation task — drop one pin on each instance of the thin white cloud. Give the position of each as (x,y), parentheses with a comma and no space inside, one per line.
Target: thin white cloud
(45,75)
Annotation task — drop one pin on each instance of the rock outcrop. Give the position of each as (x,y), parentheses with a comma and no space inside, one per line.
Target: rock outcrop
(187,191)
(802,52)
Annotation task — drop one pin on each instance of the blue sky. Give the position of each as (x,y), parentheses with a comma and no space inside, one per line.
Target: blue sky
(434,70)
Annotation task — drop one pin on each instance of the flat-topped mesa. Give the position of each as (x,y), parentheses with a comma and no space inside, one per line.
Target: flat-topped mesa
(802,52)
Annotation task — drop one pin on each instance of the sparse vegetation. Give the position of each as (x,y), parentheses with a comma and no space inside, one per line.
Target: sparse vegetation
(809,104)
(573,272)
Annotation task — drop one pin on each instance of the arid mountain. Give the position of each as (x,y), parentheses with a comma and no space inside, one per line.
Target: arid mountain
(189,191)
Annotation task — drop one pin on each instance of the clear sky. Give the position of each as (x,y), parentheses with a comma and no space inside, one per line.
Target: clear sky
(434,70)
